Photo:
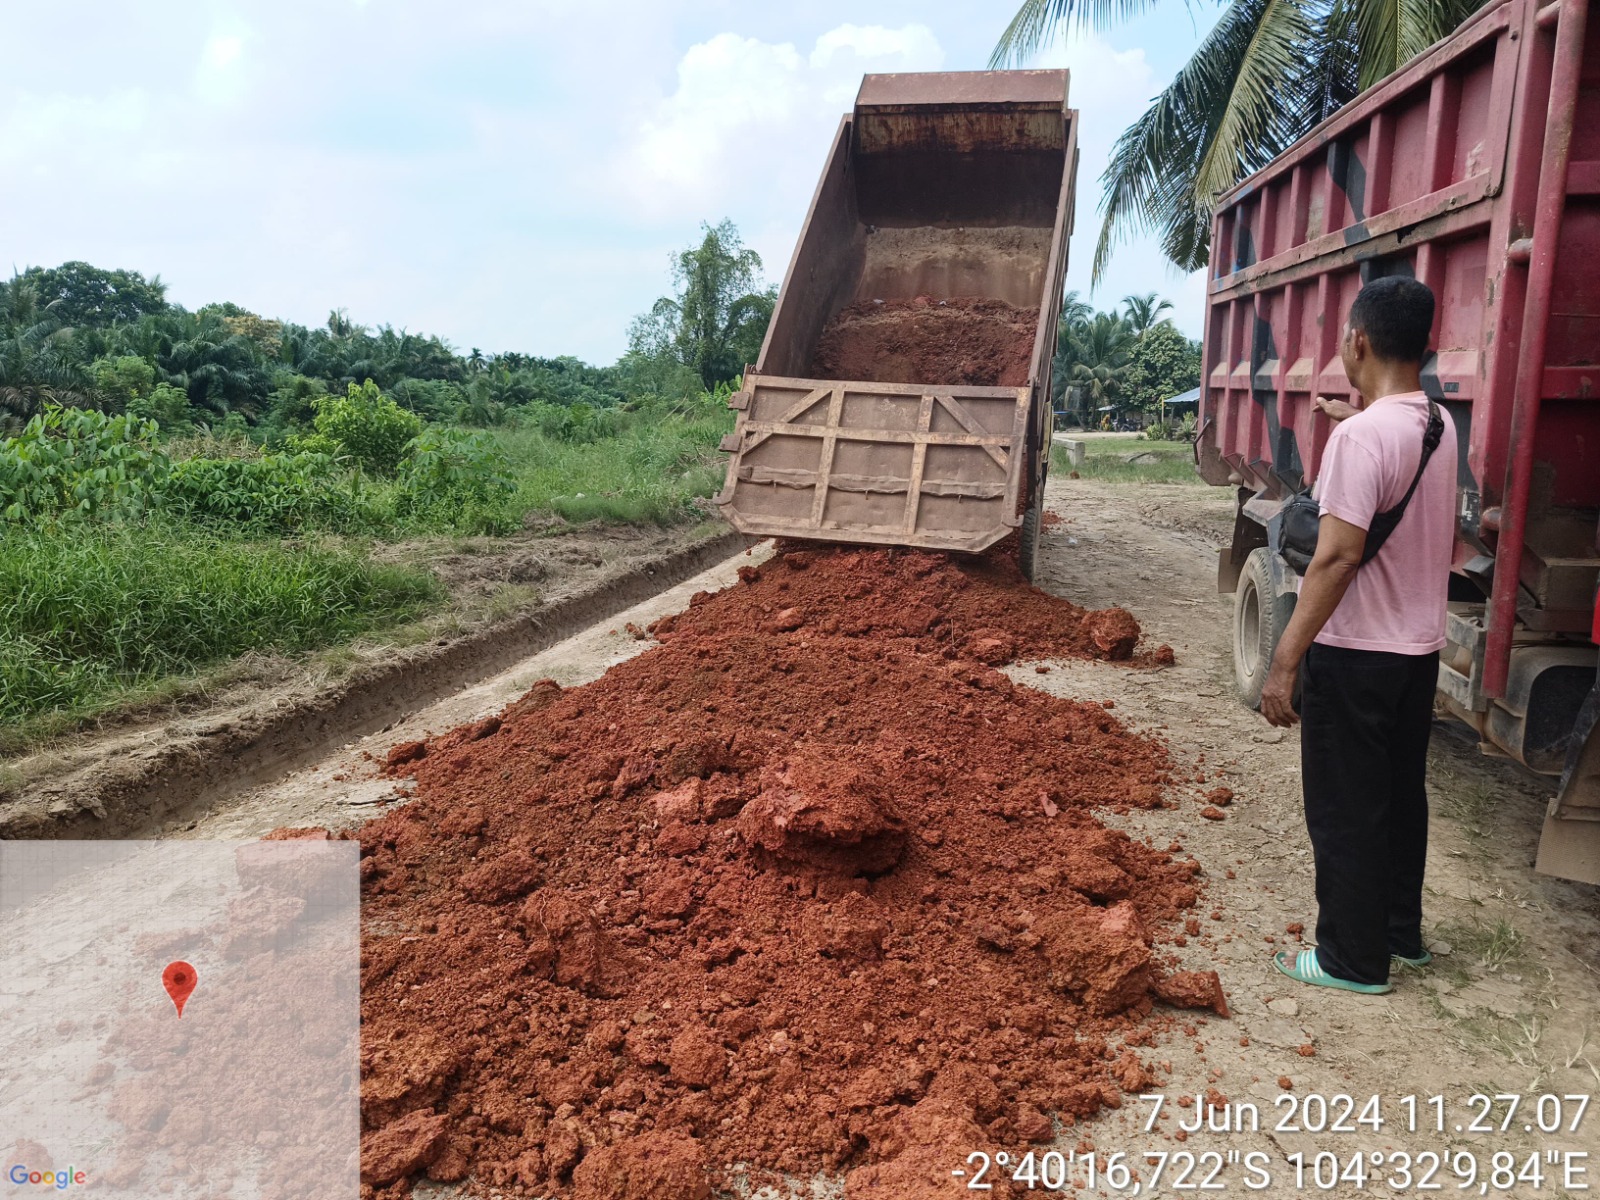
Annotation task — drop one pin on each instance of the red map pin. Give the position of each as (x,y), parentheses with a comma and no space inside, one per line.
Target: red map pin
(179,979)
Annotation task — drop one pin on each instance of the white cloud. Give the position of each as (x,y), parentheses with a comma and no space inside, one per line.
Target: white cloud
(219,77)
(914,44)
(727,87)
(1111,89)
(754,117)
(514,177)
(220,51)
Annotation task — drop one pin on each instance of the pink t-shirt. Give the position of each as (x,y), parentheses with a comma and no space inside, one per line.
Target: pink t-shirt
(1397,601)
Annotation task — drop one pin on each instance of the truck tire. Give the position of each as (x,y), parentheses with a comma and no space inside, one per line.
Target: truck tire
(1260,615)
(1028,539)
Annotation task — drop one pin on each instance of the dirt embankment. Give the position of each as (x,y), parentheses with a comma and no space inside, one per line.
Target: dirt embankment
(963,340)
(809,886)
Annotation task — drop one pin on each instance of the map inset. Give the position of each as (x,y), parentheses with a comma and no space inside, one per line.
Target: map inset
(252,1091)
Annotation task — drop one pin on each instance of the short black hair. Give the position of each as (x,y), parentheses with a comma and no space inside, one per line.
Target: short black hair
(1396,314)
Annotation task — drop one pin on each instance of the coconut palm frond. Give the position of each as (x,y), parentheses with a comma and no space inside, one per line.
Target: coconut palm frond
(1221,118)
(1325,81)
(1241,89)
(1037,21)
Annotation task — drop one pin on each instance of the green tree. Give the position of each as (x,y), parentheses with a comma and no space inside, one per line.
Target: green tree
(36,367)
(716,319)
(1075,313)
(1267,73)
(168,407)
(81,294)
(222,370)
(364,425)
(293,403)
(123,378)
(1101,350)
(1144,312)
(1161,364)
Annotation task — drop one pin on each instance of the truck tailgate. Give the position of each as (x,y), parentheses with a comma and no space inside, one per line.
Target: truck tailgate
(914,465)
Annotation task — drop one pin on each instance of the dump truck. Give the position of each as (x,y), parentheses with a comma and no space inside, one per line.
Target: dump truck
(1476,169)
(902,394)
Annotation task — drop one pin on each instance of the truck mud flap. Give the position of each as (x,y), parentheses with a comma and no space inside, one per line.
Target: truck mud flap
(1569,846)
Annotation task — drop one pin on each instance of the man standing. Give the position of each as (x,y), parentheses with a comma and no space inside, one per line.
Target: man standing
(1365,641)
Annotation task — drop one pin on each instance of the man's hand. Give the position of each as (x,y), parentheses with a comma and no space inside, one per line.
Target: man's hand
(1277,697)
(1336,410)
(1338,557)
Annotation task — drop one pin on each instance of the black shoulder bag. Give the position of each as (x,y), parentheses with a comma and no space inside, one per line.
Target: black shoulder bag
(1302,517)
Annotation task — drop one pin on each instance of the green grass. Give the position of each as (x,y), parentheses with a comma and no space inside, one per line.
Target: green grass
(651,473)
(1495,944)
(120,615)
(1107,458)
(90,613)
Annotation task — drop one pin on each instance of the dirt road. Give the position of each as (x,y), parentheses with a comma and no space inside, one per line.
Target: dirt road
(1510,1009)
(1507,1009)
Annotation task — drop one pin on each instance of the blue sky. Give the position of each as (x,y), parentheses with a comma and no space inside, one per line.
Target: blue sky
(511,176)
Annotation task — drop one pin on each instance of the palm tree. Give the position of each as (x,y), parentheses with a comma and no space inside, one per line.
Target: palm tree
(340,325)
(222,371)
(1075,313)
(1267,73)
(1100,350)
(33,370)
(1143,313)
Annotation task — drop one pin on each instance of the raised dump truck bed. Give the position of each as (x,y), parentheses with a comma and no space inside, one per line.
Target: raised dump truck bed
(1475,168)
(902,393)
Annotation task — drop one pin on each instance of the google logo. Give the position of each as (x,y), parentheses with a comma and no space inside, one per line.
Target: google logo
(60,1180)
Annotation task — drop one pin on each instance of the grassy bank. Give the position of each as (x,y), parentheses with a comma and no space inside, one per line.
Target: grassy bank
(1108,458)
(132,568)
(651,472)
(87,618)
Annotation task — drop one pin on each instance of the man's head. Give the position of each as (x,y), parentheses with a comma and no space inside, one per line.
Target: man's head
(1387,331)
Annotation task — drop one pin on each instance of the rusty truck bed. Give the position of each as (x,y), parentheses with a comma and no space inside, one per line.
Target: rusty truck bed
(938,187)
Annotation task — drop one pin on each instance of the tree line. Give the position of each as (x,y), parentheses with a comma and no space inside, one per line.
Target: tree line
(1113,364)
(81,336)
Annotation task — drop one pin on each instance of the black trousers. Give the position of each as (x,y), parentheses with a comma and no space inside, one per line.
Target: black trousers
(1365,721)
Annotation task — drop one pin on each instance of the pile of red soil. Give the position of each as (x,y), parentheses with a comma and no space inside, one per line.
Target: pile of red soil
(964,340)
(807,888)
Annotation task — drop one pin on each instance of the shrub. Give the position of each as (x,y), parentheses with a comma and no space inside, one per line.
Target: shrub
(75,464)
(363,425)
(276,492)
(122,606)
(580,424)
(455,478)
(123,378)
(167,406)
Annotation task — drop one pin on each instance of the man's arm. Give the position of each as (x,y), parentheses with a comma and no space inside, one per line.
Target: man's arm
(1333,567)
(1336,410)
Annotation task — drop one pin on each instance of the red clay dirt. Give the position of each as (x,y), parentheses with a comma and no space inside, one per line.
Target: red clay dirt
(809,887)
(964,340)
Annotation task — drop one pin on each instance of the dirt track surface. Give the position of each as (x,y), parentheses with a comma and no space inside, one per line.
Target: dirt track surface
(1511,1009)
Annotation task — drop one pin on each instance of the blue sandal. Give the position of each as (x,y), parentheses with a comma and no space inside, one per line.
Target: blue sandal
(1302,966)
(1421,960)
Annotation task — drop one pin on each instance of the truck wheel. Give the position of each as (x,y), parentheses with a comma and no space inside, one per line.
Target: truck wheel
(1028,539)
(1260,615)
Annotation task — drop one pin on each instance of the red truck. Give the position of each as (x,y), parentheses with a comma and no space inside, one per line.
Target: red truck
(1476,169)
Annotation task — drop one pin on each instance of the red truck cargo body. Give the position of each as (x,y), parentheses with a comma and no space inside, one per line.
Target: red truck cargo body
(1475,168)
